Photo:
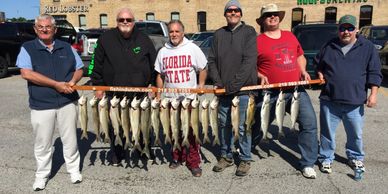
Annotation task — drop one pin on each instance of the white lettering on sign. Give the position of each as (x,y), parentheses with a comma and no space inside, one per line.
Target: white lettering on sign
(66,9)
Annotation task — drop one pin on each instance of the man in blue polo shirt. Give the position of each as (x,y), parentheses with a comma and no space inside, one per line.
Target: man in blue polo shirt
(51,68)
(350,65)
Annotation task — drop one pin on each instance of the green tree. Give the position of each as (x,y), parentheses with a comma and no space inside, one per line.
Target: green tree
(19,19)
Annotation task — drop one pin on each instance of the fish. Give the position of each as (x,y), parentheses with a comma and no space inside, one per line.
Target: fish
(214,120)
(294,108)
(83,115)
(250,118)
(96,120)
(205,120)
(280,111)
(155,120)
(185,121)
(145,124)
(165,119)
(194,119)
(265,114)
(125,123)
(134,118)
(104,118)
(174,120)
(114,114)
(235,117)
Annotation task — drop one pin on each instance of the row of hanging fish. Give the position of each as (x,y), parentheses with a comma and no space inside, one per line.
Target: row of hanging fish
(136,117)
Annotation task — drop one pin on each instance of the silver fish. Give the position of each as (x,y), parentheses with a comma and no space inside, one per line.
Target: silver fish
(96,120)
(155,120)
(104,118)
(205,120)
(185,121)
(235,117)
(83,116)
(280,111)
(145,124)
(165,119)
(250,120)
(265,114)
(214,120)
(134,116)
(294,108)
(174,120)
(125,123)
(114,114)
(194,119)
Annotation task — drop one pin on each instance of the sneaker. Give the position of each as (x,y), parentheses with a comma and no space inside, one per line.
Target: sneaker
(243,168)
(39,184)
(174,164)
(325,168)
(76,178)
(309,173)
(196,172)
(116,161)
(356,164)
(222,164)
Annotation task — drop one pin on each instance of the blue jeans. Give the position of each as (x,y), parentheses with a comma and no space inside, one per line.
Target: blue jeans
(307,138)
(225,128)
(352,116)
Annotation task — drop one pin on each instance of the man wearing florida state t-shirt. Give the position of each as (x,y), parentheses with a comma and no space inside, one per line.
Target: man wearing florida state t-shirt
(177,65)
(280,59)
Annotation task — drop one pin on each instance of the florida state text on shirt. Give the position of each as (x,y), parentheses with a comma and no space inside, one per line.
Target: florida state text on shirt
(177,68)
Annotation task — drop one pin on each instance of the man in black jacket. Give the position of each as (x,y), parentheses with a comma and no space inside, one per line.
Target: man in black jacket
(124,56)
(232,65)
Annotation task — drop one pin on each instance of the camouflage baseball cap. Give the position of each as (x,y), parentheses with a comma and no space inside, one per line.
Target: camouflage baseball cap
(348,19)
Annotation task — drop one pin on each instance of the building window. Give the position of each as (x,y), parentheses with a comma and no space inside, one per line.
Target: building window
(366,12)
(201,21)
(150,16)
(175,16)
(331,15)
(297,17)
(82,21)
(59,17)
(103,21)
(56,0)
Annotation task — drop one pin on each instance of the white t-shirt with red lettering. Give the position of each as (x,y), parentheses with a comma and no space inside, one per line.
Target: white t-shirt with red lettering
(179,66)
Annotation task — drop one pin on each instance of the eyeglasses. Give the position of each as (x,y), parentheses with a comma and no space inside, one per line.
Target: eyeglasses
(121,20)
(235,10)
(48,28)
(348,28)
(270,14)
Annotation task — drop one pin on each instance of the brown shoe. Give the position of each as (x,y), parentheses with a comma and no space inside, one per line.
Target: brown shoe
(196,172)
(243,168)
(222,164)
(174,164)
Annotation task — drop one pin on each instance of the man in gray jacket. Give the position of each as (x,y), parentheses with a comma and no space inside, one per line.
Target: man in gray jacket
(232,65)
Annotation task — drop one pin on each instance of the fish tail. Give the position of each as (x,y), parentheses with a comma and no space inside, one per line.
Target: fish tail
(186,143)
(118,140)
(167,140)
(206,139)
(137,146)
(84,135)
(146,151)
(216,141)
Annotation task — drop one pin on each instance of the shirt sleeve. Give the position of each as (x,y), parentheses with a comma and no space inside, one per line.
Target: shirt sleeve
(23,60)
(78,60)
(201,60)
(158,62)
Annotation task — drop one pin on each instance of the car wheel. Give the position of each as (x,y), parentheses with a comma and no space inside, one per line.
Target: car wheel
(3,67)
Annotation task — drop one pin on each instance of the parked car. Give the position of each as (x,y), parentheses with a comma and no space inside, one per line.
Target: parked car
(14,34)
(312,37)
(376,34)
(199,37)
(384,59)
(206,44)
(156,30)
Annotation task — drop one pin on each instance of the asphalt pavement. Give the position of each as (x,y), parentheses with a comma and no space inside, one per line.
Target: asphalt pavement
(274,169)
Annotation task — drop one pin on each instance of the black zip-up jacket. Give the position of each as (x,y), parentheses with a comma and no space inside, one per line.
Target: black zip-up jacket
(232,58)
(123,62)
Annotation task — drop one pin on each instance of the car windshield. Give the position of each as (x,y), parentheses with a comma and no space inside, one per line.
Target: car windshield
(380,34)
(201,36)
(207,43)
(315,38)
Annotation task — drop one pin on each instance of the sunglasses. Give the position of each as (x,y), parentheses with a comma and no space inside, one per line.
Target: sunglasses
(348,28)
(121,20)
(235,10)
(270,14)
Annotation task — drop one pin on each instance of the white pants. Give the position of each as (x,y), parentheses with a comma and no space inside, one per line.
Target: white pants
(43,124)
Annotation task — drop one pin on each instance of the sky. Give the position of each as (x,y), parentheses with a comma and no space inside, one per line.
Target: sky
(28,9)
